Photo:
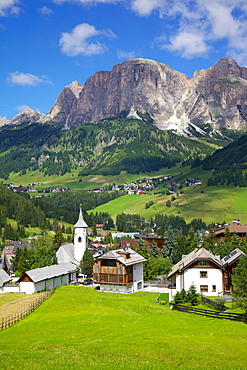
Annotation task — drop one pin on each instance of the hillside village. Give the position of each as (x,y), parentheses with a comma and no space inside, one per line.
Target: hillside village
(122,270)
(135,187)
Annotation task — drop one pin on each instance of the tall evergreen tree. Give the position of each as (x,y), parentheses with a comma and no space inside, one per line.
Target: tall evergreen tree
(58,239)
(240,283)
(86,265)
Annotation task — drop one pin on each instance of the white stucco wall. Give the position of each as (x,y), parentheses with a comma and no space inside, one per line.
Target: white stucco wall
(30,288)
(27,287)
(11,289)
(214,277)
(138,277)
(116,288)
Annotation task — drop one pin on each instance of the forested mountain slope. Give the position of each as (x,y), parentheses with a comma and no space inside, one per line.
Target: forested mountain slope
(107,147)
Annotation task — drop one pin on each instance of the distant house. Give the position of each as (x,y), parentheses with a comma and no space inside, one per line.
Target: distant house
(235,228)
(9,251)
(99,226)
(119,271)
(193,181)
(151,239)
(47,278)
(206,271)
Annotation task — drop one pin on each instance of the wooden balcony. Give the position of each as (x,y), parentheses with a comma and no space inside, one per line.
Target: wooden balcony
(112,279)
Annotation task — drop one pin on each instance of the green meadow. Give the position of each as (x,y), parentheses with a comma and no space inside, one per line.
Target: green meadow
(80,328)
(211,204)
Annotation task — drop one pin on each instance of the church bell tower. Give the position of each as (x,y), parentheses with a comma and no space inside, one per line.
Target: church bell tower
(80,237)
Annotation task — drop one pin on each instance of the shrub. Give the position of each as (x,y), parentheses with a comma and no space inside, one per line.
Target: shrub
(220,305)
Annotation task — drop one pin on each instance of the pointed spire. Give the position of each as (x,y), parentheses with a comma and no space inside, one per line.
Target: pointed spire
(81,222)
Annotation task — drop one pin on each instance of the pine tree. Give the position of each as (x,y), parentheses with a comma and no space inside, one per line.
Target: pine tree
(168,247)
(192,295)
(240,283)
(86,265)
(58,238)
(192,241)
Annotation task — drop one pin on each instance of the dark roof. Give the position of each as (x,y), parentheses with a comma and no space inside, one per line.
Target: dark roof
(232,257)
(233,228)
(17,244)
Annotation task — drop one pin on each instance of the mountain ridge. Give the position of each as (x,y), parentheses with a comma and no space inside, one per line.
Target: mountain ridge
(212,101)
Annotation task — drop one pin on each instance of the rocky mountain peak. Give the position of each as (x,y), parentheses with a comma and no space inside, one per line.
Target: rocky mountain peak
(213,99)
(27,116)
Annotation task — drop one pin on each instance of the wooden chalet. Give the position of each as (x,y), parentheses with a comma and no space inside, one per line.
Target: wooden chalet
(151,239)
(119,271)
(206,271)
(235,228)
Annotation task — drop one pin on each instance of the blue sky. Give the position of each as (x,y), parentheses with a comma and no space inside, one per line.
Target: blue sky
(47,44)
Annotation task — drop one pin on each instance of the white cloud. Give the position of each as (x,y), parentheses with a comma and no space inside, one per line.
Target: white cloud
(77,41)
(126,54)
(26,79)
(146,7)
(188,44)
(9,7)
(88,2)
(21,108)
(198,24)
(45,11)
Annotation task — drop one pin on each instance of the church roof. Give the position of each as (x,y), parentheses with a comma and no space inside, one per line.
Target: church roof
(81,222)
(66,254)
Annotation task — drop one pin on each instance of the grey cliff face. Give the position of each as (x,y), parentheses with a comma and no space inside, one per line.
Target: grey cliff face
(212,100)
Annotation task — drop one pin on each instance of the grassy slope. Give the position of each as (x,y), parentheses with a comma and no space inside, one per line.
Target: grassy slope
(81,328)
(215,204)
(71,180)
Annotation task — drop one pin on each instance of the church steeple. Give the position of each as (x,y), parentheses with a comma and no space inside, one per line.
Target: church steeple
(80,237)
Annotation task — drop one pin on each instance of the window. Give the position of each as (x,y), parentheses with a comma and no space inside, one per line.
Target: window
(213,288)
(203,288)
(203,263)
(203,274)
(108,263)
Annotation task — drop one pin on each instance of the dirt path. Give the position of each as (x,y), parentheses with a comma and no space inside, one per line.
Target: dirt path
(18,305)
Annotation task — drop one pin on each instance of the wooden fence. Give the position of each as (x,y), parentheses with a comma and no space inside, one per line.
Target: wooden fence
(210,302)
(14,318)
(211,313)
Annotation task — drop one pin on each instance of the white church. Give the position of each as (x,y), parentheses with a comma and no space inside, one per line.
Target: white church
(73,252)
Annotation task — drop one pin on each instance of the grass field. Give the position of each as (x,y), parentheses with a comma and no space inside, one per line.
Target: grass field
(211,204)
(79,328)
(72,180)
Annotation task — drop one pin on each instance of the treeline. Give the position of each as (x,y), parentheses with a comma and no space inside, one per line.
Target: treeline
(159,223)
(228,176)
(19,208)
(65,206)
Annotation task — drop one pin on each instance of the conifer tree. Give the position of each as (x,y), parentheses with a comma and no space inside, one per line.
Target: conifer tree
(58,239)
(86,265)
(240,283)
